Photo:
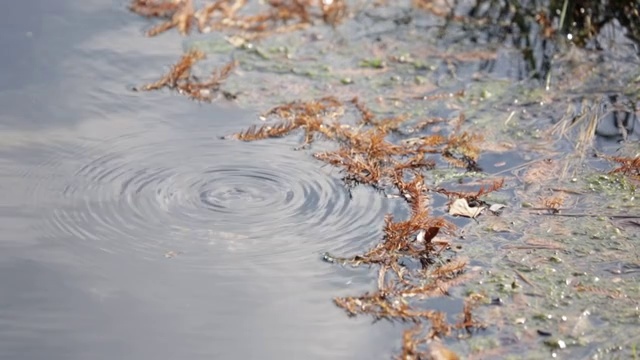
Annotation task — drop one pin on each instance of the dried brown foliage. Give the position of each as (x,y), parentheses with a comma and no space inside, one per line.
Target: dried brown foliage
(419,344)
(554,202)
(266,131)
(451,268)
(333,11)
(628,166)
(474,196)
(366,115)
(462,151)
(382,305)
(366,156)
(310,116)
(179,78)
(278,15)
(438,8)
(177,14)
(153,8)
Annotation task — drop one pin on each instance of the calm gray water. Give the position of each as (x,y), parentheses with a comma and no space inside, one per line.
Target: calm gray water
(130,231)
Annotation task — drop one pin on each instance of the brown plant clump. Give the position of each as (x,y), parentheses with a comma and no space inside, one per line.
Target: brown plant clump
(437,8)
(628,166)
(179,78)
(409,250)
(419,344)
(279,16)
(310,116)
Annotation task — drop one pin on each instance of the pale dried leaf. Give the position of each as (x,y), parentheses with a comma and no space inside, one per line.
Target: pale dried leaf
(461,207)
(495,208)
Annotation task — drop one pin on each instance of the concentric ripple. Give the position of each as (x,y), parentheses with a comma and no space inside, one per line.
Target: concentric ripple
(204,202)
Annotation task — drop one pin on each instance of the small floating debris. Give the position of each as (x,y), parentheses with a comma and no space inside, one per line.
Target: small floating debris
(171,254)
(277,17)
(460,207)
(497,208)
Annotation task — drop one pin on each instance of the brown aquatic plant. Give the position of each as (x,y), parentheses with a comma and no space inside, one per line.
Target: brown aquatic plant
(266,131)
(177,14)
(438,8)
(418,344)
(554,203)
(366,156)
(312,116)
(155,8)
(628,166)
(473,196)
(462,151)
(278,16)
(366,115)
(181,70)
(333,12)
(179,78)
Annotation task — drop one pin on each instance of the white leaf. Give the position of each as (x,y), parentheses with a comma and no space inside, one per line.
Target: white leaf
(461,207)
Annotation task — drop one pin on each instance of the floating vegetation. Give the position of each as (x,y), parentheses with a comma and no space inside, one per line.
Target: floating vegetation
(306,115)
(179,78)
(628,166)
(538,27)
(408,254)
(279,15)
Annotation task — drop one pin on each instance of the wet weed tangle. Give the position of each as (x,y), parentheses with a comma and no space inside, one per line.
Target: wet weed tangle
(409,258)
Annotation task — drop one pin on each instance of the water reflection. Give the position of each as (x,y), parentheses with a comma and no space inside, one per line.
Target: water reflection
(130,231)
(163,193)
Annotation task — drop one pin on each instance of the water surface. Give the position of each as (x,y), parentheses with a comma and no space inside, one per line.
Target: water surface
(130,230)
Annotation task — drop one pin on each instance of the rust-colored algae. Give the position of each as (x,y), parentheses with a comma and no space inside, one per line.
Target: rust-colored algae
(279,16)
(367,157)
(179,78)
(628,166)
(309,116)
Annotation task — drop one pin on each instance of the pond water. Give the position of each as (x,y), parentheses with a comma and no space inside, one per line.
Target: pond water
(130,230)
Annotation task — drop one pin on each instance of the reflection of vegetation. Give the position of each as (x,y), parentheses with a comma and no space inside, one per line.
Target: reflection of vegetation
(536,26)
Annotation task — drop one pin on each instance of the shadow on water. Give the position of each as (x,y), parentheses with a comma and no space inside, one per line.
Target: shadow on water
(130,234)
